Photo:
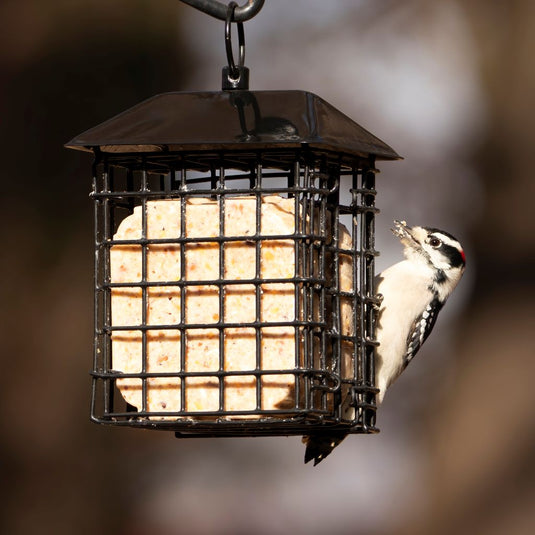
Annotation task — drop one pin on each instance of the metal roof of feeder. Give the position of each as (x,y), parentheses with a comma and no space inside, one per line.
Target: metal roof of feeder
(232,120)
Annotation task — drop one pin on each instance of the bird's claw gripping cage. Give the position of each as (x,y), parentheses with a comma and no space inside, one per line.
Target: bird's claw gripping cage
(234,247)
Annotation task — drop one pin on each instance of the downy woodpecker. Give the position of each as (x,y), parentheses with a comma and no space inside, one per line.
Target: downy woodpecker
(413,292)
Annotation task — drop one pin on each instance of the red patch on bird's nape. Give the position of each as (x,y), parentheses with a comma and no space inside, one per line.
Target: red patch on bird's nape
(463,256)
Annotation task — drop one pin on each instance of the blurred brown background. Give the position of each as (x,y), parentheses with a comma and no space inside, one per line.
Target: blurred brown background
(451,86)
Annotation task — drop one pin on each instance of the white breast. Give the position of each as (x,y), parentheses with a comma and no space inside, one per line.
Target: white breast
(404,287)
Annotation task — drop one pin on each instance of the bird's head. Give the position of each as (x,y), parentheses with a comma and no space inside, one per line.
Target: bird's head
(436,248)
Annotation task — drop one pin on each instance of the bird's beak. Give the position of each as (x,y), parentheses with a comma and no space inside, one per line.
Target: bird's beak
(405,233)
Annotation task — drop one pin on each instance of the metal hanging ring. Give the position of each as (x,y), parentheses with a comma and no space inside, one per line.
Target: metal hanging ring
(233,70)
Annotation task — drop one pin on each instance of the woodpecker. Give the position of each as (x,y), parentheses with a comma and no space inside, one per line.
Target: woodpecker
(412,294)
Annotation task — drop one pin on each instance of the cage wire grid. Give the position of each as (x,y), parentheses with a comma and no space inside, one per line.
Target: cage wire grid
(327,189)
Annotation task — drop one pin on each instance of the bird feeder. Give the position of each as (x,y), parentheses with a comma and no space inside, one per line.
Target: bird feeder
(234,264)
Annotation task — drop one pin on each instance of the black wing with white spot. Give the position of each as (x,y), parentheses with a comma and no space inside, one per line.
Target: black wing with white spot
(421,329)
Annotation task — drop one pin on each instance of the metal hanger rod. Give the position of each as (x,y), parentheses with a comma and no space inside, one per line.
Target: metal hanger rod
(219,10)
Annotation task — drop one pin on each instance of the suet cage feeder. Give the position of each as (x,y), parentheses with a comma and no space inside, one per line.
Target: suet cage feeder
(234,265)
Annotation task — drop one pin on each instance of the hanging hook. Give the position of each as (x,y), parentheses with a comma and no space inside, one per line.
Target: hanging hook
(234,77)
(219,10)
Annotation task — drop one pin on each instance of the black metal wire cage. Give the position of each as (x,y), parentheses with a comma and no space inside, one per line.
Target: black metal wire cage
(234,277)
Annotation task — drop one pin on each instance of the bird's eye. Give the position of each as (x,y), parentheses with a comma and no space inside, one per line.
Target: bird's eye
(435,242)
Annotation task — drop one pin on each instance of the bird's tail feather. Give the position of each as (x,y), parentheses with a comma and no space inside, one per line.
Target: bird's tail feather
(319,447)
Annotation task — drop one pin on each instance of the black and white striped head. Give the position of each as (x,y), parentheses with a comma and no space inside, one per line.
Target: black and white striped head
(435,248)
